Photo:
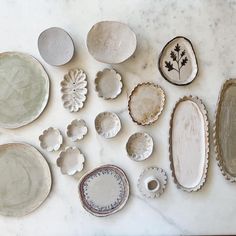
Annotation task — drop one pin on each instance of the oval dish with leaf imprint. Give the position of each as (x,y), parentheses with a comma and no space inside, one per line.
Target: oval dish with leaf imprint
(177,61)
(225,130)
(189,143)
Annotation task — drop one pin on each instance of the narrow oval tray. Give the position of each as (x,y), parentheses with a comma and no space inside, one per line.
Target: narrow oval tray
(189,143)
(225,130)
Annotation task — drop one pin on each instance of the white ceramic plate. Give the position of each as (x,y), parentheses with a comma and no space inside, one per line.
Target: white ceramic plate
(25,179)
(107,124)
(139,146)
(104,190)
(55,46)
(24,89)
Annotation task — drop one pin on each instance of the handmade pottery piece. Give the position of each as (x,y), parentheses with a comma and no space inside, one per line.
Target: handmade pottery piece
(139,146)
(107,124)
(177,61)
(74,90)
(70,161)
(77,130)
(51,139)
(225,130)
(146,103)
(152,182)
(24,89)
(25,179)
(108,84)
(55,46)
(189,143)
(104,190)
(111,42)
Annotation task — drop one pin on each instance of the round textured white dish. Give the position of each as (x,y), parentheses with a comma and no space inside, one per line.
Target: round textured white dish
(25,179)
(107,124)
(111,42)
(104,190)
(55,46)
(108,84)
(139,146)
(24,89)
(76,130)
(152,182)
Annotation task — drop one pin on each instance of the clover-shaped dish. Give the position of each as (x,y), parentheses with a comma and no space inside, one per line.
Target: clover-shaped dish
(71,161)
(74,90)
(51,139)
(76,130)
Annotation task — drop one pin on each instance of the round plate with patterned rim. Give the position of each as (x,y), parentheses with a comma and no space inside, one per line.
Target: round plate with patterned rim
(25,179)
(104,190)
(24,89)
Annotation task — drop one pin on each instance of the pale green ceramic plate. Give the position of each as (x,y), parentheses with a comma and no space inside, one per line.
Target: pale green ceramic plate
(25,179)
(24,89)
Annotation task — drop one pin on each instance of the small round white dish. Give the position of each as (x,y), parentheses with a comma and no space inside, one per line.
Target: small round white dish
(152,182)
(74,90)
(111,42)
(71,161)
(108,84)
(55,46)
(139,146)
(104,190)
(107,124)
(51,139)
(76,130)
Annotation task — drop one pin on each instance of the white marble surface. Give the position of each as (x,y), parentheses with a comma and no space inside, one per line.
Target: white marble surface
(210,25)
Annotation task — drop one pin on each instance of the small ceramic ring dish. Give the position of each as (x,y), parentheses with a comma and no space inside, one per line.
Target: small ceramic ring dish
(55,46)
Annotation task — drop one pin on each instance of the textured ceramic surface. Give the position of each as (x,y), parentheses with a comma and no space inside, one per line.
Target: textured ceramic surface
(71,161)
(51,139)
(178,62)
(225,130)
(111,42)
(104,190)
(55,46)
(139,146)
(189,143)
(77,129)
(146,103)
(107,124)
(108,83)
(24,89)
(74,90)
(152,182)
(25,179)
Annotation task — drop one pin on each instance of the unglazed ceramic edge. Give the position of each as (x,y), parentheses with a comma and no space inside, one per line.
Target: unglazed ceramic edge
(203,110)
(127,185)
(161,54)
(161,107)
(47,87)
(219,160)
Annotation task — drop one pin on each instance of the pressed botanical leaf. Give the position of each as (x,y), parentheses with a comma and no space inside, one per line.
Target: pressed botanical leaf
(173,56)
(177,48)
(169,65)
(184,61)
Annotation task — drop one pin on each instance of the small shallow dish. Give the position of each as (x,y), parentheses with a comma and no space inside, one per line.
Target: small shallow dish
(177,61)
(25,179)
(74,90)
(152,182)
(146,103)
(104,190)
(55,46)
(76,130)
(107,124)
(108,84)
(71,161)
(24,89)
(51,139)
(111,42)
(139,146)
